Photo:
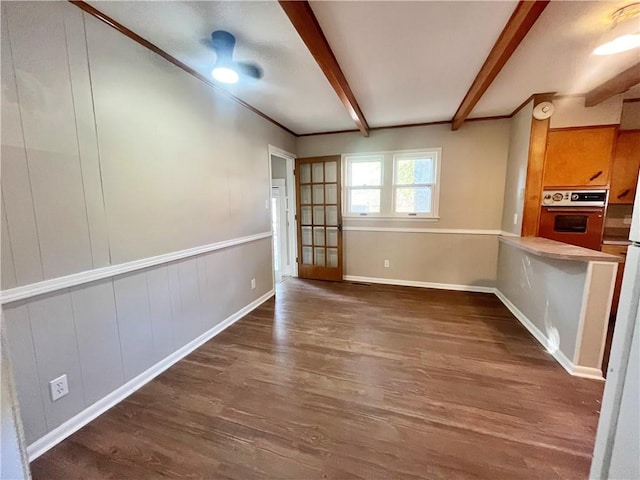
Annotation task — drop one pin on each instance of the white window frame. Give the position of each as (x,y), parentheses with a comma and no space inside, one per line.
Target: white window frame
(387,188)
(349,160)
(435,185)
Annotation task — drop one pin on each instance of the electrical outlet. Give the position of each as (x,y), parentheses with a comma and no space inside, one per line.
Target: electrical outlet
(253,284)
(386,264)
(266,204)
(515,218)
(59,387)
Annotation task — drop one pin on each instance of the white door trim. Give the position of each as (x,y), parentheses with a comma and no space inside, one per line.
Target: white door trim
(279,184)
(292,230)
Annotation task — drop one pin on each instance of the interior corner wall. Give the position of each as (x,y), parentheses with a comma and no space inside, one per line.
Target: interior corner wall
(112,155)
(517,163)
(630,116)
(571,112)
(460,248)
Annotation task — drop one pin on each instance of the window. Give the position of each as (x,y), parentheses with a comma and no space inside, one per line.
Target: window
(364,184)
(414,183)
(392,184)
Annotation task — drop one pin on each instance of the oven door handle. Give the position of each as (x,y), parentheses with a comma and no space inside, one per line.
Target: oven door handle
(574,210)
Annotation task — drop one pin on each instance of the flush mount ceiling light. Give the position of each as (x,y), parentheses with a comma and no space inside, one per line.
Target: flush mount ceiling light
(225,75)
(225,69)
(624,33)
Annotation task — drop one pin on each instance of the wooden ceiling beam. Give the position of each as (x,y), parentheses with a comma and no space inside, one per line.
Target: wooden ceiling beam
(307,26)
(522,19)
(618,84)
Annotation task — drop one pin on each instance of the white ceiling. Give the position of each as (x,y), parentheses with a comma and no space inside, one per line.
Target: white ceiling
(411,62)
(555,56)
(293,91)
(406,62)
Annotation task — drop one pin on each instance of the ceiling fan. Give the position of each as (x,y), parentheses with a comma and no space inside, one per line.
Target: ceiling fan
(226,70)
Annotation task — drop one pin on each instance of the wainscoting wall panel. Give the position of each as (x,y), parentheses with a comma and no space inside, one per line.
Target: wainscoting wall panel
(134,212)
(105,333)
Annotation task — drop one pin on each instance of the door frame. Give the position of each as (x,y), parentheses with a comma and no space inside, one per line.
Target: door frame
(290,207)
(280,185)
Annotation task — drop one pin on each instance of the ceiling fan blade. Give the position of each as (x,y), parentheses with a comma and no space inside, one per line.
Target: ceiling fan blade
(249,70)
(223,43)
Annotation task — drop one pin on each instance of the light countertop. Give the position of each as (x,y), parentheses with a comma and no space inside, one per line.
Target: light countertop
(544,247)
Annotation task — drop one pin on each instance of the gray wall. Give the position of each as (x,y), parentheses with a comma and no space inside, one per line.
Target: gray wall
(111,154)
(105,333)
(474,162)
(568,301)
(518,161)
(13,459)
(630,116)
(547,291)
(165,163)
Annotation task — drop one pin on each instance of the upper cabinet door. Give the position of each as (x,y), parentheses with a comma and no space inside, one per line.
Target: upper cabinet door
(626,163)
(579,157)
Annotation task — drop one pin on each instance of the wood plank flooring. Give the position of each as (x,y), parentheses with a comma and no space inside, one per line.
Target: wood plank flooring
(343,381)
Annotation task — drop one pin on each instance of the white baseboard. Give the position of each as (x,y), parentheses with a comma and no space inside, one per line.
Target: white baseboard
(72,425)
(568,365)
(414,283)
(587,372)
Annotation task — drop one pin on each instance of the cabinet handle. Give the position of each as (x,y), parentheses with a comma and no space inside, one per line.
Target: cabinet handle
(596,175)
(624,193)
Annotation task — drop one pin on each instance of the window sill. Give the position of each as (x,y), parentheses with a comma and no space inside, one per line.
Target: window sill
(390,219)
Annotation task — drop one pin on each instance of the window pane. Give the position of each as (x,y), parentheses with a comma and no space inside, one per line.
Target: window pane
(306,236)
(332,236)
(330,172)
(305,194)
(331,215)
(318,172)
(318,256)
(318,215)
(318,236)
(364,174)
(318,194)
(305,173)
(331,193)
(415,170)
(413,200)
(305,216)
(332,257)
(307,255)
(364,201)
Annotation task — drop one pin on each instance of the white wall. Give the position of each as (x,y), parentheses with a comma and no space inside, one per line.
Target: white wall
(474,162)
(517,163)
(571,112)
(111,154)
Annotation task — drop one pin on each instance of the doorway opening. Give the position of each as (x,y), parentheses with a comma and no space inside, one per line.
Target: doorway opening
(283,214)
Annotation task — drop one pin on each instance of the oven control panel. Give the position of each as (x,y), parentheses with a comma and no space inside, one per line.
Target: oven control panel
(574,198)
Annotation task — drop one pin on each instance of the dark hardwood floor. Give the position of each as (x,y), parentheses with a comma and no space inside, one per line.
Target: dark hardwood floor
(341,381)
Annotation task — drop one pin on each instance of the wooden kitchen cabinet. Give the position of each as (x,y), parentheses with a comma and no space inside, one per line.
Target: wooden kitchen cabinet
(626,164)
(621,251)
(579,157)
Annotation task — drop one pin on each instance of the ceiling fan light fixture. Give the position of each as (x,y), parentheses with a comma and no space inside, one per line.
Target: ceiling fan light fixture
(624,34)
(225,75)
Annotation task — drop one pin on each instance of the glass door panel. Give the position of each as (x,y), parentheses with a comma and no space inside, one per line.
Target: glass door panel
(319,226)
